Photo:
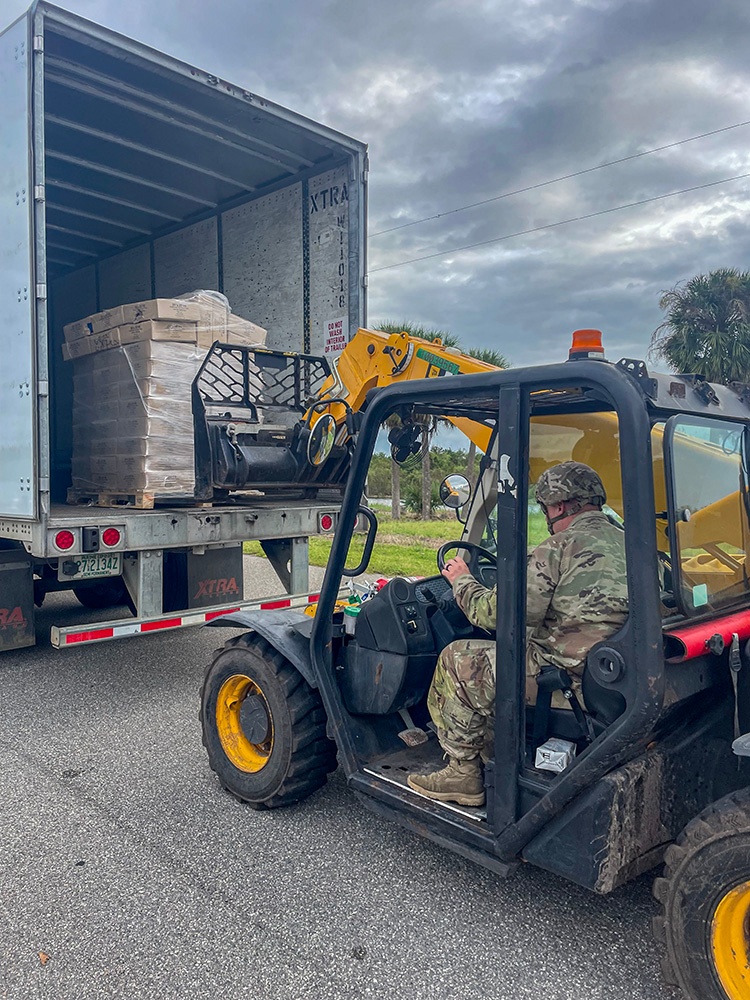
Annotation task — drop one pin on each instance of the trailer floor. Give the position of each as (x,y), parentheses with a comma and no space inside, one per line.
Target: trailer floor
(76,513)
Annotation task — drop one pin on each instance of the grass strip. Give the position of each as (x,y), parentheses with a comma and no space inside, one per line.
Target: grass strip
(402,548)
(388,559)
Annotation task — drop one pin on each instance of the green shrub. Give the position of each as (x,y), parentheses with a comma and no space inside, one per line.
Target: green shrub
(411,498)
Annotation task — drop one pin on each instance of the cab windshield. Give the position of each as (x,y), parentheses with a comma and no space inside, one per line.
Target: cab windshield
(708,511)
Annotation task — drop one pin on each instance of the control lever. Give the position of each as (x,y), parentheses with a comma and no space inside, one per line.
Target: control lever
(446,604)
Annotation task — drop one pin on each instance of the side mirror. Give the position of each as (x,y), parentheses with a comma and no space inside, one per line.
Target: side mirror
(455,491)
(321,439)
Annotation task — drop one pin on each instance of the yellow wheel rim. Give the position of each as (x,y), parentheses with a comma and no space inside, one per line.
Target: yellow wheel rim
(730,941)
(246,756)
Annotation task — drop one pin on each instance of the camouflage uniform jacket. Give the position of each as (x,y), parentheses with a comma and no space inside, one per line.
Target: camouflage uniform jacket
(576,593)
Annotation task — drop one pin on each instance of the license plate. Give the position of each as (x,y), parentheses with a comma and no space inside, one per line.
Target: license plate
(91,567)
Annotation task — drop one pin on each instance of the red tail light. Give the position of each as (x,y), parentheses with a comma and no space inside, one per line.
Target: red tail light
(64,540)
(326,522)
(110,537)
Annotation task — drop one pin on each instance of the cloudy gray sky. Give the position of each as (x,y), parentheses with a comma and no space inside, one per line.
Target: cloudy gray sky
(465,100)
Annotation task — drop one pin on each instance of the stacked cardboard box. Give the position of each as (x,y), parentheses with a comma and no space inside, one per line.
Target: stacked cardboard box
(132,406)
(200,318)
(132,419)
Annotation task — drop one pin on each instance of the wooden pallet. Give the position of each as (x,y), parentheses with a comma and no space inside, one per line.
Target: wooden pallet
(140,499)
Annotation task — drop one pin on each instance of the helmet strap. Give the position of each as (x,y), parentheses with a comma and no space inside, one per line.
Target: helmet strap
(570,508)
(553,520)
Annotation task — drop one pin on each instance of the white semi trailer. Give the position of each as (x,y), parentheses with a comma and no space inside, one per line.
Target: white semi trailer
(127,175)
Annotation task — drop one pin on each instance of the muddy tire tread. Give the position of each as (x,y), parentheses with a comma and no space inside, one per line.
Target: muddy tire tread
(724,818)
(312,754)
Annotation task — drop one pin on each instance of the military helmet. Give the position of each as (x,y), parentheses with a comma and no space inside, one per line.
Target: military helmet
(570,481)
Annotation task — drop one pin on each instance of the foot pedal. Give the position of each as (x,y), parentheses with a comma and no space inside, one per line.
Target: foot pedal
(413,737)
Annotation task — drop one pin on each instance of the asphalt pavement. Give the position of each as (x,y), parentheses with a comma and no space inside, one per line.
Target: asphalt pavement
(127,872)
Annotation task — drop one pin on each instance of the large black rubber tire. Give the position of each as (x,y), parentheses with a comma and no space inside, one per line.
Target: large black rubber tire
(709,860)
(301,755)
(110,592)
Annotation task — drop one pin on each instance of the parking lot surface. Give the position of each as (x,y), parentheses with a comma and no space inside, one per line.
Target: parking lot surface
(127,872)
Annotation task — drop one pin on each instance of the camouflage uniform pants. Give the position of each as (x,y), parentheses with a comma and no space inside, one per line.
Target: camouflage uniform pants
(462,698)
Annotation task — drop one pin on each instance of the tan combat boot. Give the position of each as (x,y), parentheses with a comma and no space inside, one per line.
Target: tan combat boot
(461,782)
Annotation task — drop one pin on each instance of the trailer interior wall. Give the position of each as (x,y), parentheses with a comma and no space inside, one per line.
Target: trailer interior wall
(160,179)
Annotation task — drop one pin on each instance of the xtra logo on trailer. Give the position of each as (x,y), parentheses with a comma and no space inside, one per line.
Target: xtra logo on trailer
(328,197)
(222,587)
(12,616)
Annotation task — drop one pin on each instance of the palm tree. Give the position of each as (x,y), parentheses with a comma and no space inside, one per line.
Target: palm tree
(489,357)
(707,326)
(485,354)
(417,330)
(448,340)
(391,422)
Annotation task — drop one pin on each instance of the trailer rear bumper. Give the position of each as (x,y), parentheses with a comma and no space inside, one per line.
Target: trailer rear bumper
(78,635)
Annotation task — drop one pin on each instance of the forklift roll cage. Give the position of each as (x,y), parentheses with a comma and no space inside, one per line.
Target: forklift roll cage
(633,659)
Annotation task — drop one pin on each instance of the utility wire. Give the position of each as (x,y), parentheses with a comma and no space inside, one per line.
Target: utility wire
(563,222)
(555,180)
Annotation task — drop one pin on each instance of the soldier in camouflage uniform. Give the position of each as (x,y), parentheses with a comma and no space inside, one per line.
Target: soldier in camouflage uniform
(576,596)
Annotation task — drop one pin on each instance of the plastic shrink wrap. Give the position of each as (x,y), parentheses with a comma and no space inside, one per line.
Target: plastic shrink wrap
(132,407)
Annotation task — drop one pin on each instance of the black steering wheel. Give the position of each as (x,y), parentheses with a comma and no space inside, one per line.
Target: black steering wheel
(478,558)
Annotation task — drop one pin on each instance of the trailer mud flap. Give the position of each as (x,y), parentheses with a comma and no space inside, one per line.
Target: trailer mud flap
(16,600)
(203,581)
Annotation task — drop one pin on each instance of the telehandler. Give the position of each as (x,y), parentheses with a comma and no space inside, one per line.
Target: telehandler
(285,423)
(656,768)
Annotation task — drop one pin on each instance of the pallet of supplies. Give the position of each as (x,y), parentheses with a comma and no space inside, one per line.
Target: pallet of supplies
(133,437)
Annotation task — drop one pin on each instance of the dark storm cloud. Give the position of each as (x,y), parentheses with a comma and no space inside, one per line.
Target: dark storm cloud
(463,101)
(669,71)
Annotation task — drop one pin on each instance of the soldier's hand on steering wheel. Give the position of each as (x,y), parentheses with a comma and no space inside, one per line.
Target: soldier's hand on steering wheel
(454,568)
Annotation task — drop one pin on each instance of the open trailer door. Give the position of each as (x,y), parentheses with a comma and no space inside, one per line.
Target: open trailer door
(18,291)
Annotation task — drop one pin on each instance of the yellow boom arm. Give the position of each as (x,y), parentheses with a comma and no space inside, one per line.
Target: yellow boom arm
(373,359)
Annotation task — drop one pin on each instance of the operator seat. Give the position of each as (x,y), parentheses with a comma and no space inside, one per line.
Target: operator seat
(603,706)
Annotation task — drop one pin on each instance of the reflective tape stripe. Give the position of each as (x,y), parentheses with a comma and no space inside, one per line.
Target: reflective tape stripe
(270,605)
(210,615)
(162,623)
(128,628)
(100,633)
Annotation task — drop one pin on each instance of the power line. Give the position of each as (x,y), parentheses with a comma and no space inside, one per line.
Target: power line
(563,222)
(555,180)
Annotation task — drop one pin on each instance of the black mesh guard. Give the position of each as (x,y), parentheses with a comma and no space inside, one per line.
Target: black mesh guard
(258,378)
